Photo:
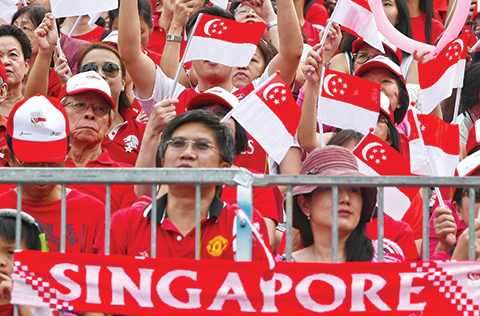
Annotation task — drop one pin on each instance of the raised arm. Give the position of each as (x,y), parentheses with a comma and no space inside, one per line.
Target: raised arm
(308,138)
(46,34)
(290,42)
(140,67)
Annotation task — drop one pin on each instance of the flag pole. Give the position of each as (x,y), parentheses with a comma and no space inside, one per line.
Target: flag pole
(457,105)
(182,62)
(263,84)
(476,45)
(319,120)
(75,25)
(437,190)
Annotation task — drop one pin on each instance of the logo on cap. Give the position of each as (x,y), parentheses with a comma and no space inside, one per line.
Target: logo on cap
(37,119)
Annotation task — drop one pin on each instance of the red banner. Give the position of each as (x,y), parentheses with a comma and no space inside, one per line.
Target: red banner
(145,286)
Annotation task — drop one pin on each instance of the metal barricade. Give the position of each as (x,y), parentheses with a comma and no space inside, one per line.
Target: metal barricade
(233,177)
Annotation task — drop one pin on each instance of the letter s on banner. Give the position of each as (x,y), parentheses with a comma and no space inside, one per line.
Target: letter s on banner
(358,285)
(58,273)
(406,289)
(304,298)
(163,290)
(269,293)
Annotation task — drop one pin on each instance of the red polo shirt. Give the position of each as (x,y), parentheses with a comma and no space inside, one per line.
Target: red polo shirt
(122,195)
(131,227)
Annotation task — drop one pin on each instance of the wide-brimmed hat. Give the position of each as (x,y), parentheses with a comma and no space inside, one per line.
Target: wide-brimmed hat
(331,161)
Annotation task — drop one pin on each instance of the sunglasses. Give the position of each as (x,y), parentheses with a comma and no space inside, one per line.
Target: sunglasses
(110,69)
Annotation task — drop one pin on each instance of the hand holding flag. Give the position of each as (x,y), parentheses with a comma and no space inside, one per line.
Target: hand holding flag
(271,116)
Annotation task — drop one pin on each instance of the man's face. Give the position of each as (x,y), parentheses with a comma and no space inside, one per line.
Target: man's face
(191,157)
(87,126)
(211,73)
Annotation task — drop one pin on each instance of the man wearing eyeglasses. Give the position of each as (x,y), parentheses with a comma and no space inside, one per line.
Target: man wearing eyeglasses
(195,139)
(87,101)
(38,137)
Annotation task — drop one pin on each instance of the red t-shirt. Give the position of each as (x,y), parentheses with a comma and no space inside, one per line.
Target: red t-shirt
(122,195)
(124,141)
(418,29)
(316,15)
(399,232)
(93,36)
(85,216)
(414,216)
(54,84)
(131,233)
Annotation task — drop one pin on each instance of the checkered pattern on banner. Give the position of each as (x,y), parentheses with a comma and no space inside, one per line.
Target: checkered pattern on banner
(450,287)
(47,293)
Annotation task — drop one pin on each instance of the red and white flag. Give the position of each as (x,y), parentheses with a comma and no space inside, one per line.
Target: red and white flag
(224,41)
(357,17)
(348,101)
(65,8)
(377,158)
(271,116)
(440,145)
(439,76)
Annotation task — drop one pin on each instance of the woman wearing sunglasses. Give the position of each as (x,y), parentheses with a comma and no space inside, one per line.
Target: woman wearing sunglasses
(449,225)
(125,135)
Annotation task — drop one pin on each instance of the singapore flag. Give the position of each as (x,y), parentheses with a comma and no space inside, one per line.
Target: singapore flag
(348,101)
(377,158)
(271,116)
(224,41)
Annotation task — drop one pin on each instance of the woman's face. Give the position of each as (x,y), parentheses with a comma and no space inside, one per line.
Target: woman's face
(388,82)
(382,130)
(391,10)
(13,59)
(462,210)
(319,208)
(101,57)
(24,23)
(244,75)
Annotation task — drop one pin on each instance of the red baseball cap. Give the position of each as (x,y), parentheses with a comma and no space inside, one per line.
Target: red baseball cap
(380,62)
(473,139)
(3,72)
(88,81)
(215,95)
(359,42)
(39,129)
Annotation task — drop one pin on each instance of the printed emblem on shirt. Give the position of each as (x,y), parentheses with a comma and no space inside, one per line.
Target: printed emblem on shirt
(216,245)
(131,142)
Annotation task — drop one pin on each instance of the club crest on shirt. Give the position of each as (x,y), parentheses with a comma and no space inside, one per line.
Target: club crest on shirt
(37,119)
(131,142)
(216,245)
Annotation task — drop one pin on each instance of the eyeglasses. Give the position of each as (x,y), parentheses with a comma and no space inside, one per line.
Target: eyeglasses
(243,10)
(198,145)
(363,58)
(110,69)
(82,107)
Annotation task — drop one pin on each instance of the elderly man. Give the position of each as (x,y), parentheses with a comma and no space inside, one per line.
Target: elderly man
(38,136)
(195,139)
(87,101)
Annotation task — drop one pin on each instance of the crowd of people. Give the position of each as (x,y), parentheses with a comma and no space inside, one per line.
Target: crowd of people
(104,96)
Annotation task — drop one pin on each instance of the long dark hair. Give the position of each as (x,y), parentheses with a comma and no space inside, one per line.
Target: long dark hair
(426,6)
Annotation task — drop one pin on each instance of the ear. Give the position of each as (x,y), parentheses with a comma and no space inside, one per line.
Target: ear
(456,207)
(124,83)
(3,92)
(27,66)
(304,205)
(224,164)
(9,156)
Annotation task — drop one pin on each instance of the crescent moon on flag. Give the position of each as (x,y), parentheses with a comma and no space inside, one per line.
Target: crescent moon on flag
(270,87)
(459,42)
(207,26)
(326,82)
(367,148)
